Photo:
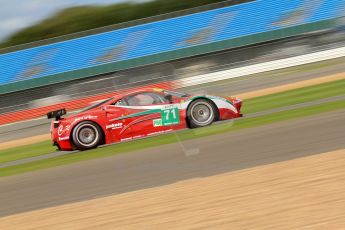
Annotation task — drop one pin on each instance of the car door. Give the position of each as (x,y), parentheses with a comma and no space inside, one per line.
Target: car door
(145,114)
(117,123)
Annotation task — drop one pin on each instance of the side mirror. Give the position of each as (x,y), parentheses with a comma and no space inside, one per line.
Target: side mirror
(168,98)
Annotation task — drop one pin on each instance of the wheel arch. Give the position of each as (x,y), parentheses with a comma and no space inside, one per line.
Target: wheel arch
(217,115)
(93,121)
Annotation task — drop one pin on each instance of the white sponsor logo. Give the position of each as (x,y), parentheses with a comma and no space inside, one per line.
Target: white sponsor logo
(89,117)
(63,138)
(114,126)
(159,132)
(127,139)
(171,106)
(157,122)
(61,129)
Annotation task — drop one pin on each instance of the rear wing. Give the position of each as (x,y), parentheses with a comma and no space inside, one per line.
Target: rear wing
(57,114)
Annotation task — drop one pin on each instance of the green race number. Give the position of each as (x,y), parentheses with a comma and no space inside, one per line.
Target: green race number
(170,116)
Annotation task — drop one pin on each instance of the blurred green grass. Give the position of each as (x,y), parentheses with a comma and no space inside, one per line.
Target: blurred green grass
(26,151)
(296,96)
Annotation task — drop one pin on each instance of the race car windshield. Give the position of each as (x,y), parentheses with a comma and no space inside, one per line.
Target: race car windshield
(97,104)
(176,94)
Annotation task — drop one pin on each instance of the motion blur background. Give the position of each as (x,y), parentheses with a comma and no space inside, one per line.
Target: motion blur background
(156,41)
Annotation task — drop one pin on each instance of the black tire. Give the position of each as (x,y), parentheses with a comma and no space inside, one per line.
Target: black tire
(200,113)
(86,135)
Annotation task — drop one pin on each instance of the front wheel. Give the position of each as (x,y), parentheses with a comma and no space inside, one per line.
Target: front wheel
(86,135)
(201,113)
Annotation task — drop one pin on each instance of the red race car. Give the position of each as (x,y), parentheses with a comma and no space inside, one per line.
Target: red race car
(138,114)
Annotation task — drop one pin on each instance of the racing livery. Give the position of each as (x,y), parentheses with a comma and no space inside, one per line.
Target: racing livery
(138,114)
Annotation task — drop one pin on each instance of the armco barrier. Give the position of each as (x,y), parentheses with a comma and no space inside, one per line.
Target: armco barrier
(166,40)
(262,67)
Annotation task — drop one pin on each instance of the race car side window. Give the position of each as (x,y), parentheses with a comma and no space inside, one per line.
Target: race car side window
(121,102)
(143,99)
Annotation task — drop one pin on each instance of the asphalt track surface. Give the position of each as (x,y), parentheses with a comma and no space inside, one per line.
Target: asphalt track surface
(229,87)
(172,163)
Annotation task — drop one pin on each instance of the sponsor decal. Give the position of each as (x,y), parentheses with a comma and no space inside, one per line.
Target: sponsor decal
(63,129)
(89,117)
(63,138)
(60,130)
(170,115)
(157,122)
(115,126)
(159,132)
(170,106)
(127,139)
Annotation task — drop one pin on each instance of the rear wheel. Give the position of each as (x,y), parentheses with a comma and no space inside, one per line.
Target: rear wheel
(201,113)
(86,135)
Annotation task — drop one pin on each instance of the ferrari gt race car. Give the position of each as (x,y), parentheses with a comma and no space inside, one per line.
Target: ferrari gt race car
(138,114)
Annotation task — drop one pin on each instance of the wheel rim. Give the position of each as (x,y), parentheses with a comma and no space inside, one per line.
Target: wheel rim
(202,113)
(87,135)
